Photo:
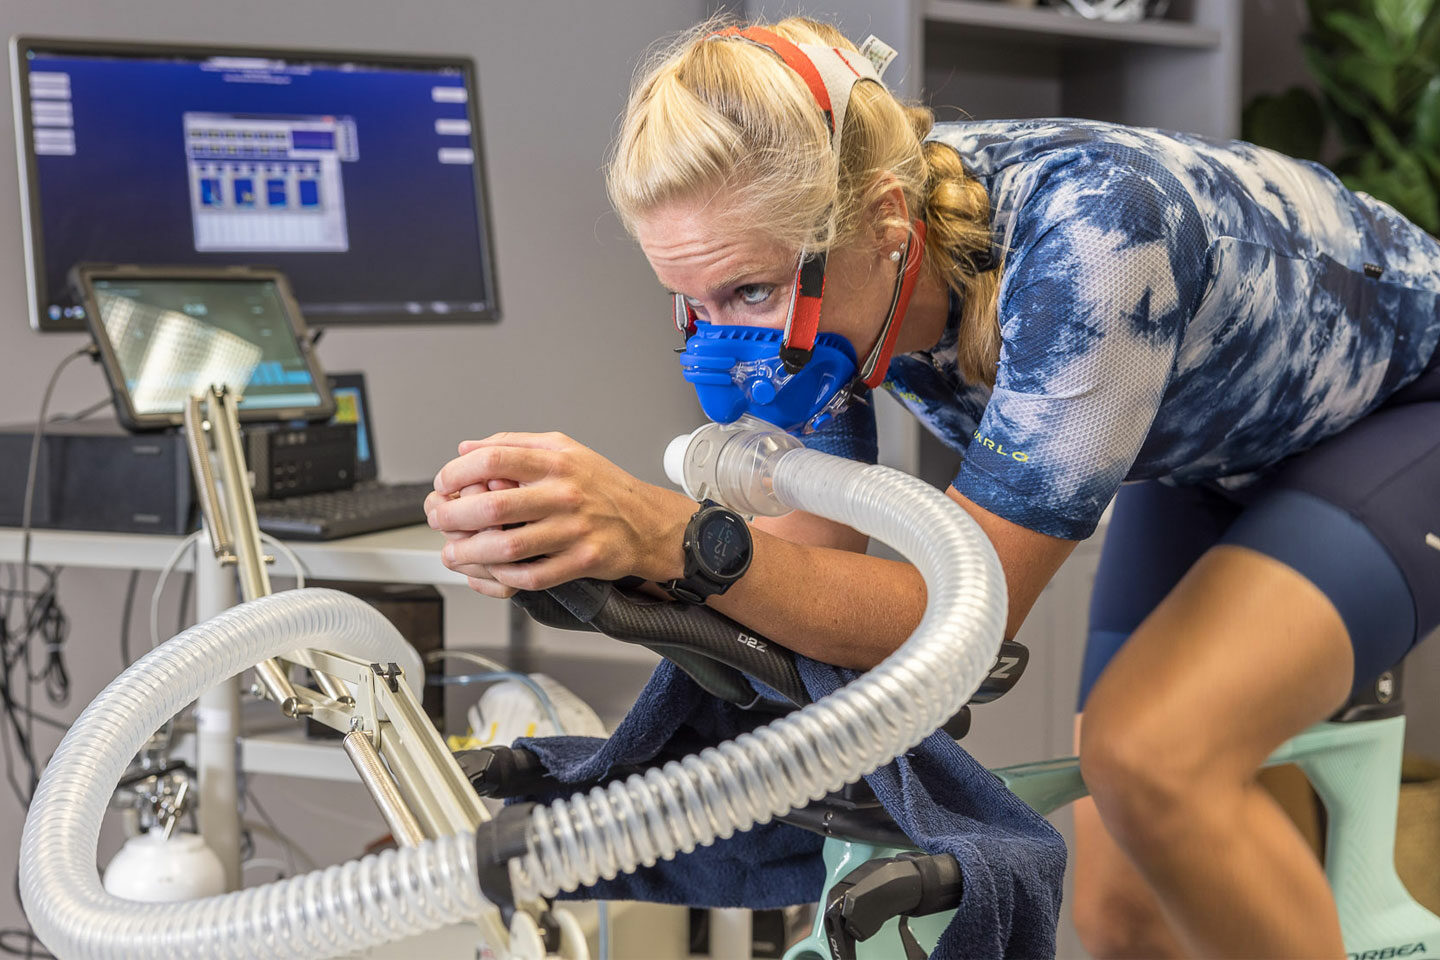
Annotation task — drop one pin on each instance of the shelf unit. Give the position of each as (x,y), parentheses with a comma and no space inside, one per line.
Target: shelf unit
(1052,26)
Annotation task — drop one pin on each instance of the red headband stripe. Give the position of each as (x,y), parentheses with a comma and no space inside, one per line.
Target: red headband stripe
(793,57)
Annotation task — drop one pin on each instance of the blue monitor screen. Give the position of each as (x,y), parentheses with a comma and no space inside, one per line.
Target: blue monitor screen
(361,180)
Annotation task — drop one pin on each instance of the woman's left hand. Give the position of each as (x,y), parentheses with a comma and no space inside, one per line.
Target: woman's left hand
(527,511)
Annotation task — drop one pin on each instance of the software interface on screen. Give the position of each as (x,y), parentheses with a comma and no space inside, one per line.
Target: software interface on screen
(350,408)
(175,338)
(359,180)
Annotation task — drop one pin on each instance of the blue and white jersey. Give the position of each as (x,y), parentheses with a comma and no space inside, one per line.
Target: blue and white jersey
(1170,307)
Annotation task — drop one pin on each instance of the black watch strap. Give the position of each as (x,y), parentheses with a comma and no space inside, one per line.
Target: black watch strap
(702,579)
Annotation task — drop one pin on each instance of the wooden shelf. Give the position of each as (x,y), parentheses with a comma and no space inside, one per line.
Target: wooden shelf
(1048,25)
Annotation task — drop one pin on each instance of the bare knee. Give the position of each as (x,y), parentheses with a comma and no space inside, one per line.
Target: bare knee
(1113,921)
(1140,772)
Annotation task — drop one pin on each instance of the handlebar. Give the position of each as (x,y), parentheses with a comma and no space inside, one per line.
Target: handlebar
(714,650)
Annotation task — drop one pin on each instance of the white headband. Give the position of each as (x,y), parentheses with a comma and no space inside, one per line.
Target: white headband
(836,70)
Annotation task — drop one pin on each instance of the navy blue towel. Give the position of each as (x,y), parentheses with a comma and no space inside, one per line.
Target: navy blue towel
(1013,860)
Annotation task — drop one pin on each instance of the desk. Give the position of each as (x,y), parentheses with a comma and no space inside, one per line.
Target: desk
(405,555)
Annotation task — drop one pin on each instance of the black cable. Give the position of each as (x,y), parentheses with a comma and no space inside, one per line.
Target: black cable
(28,512)
(126,614)
(33,947)
(49,619)
(182,620)
(84,413)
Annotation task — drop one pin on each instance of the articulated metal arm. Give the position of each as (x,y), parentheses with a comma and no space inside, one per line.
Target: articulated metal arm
(400,757)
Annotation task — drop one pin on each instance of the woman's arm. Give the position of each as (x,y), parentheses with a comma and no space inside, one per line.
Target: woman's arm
(851,609)
(583,516)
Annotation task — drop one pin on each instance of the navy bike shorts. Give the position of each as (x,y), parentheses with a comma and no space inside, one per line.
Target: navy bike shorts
(1358,515)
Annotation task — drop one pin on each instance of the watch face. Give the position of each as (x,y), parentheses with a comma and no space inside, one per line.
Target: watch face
(724,544)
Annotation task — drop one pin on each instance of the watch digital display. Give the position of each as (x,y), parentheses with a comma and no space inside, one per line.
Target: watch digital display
(724,545)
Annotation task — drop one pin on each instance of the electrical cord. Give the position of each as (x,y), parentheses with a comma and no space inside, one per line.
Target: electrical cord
(126,613)
(160,581)
(290,845)
(174,559)
(27,514)
(187,589)
(494,673)
(83,413)
(32,948)
(288,554)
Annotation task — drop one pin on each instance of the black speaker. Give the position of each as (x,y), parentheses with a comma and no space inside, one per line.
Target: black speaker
(94,475)
(418,612)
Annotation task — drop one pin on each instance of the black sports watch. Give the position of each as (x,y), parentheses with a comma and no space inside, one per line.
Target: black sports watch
(717,553)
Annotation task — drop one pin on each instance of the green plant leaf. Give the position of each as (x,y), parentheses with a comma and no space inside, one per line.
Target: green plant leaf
(1402,19)
(1369,37)
(1323,69)
(1432,163)
(1427,115)
(1378,80)
(1291,122)
(1385,140)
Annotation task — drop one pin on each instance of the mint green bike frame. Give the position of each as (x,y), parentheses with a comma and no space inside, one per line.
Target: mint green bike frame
(1354,767)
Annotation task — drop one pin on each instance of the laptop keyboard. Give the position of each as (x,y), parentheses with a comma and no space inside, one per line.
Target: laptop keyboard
(344,513)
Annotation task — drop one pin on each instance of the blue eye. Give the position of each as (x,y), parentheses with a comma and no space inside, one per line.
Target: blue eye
(754,293)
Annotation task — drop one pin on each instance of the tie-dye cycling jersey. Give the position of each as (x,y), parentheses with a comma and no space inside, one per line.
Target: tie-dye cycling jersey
(1170,307)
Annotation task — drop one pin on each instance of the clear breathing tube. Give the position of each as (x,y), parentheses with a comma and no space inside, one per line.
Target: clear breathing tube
(332,912)
(611,830)
(799,758)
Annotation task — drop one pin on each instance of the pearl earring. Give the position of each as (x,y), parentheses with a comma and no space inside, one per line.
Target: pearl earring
(894,256)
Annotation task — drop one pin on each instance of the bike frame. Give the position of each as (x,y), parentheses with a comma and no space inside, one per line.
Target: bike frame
(1354,767)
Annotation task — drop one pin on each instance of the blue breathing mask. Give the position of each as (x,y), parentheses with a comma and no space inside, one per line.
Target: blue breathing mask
(737,370)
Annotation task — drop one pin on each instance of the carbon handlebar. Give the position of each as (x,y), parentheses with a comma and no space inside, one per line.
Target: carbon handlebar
(714,650)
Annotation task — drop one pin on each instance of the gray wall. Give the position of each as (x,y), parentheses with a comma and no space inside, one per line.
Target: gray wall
(582,347)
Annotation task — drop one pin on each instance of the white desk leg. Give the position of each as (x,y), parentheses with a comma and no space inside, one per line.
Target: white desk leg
(217,721)
(730,934)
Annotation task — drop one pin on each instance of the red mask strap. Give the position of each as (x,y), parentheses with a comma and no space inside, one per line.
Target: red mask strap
(684,317)
(802,323)
(876,365)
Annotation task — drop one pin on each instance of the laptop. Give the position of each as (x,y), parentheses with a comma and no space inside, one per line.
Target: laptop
(368,507)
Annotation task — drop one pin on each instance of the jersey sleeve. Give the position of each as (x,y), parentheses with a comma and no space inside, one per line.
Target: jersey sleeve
(851,434)
(1105,267)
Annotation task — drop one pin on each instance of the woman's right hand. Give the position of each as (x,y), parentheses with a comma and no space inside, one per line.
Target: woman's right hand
(481,585)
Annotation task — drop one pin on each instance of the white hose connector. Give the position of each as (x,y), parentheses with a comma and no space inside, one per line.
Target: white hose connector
(800,757)
(331,912)
(732,463)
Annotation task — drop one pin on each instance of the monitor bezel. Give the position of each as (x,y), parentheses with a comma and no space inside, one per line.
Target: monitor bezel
(82,281)
(32,229)
(355,380)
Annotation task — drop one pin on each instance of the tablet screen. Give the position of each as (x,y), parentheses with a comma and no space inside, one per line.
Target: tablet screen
(170,338)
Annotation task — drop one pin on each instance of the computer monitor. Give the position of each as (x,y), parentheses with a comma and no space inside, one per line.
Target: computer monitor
(360,176)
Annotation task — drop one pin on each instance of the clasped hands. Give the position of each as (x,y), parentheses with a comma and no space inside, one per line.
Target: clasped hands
(528,511)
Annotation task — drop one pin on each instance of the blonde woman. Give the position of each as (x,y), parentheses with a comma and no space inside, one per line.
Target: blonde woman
(1244,343)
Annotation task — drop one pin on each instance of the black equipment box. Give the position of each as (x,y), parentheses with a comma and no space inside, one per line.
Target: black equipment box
(305,458)
(94,475)
(418,612)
